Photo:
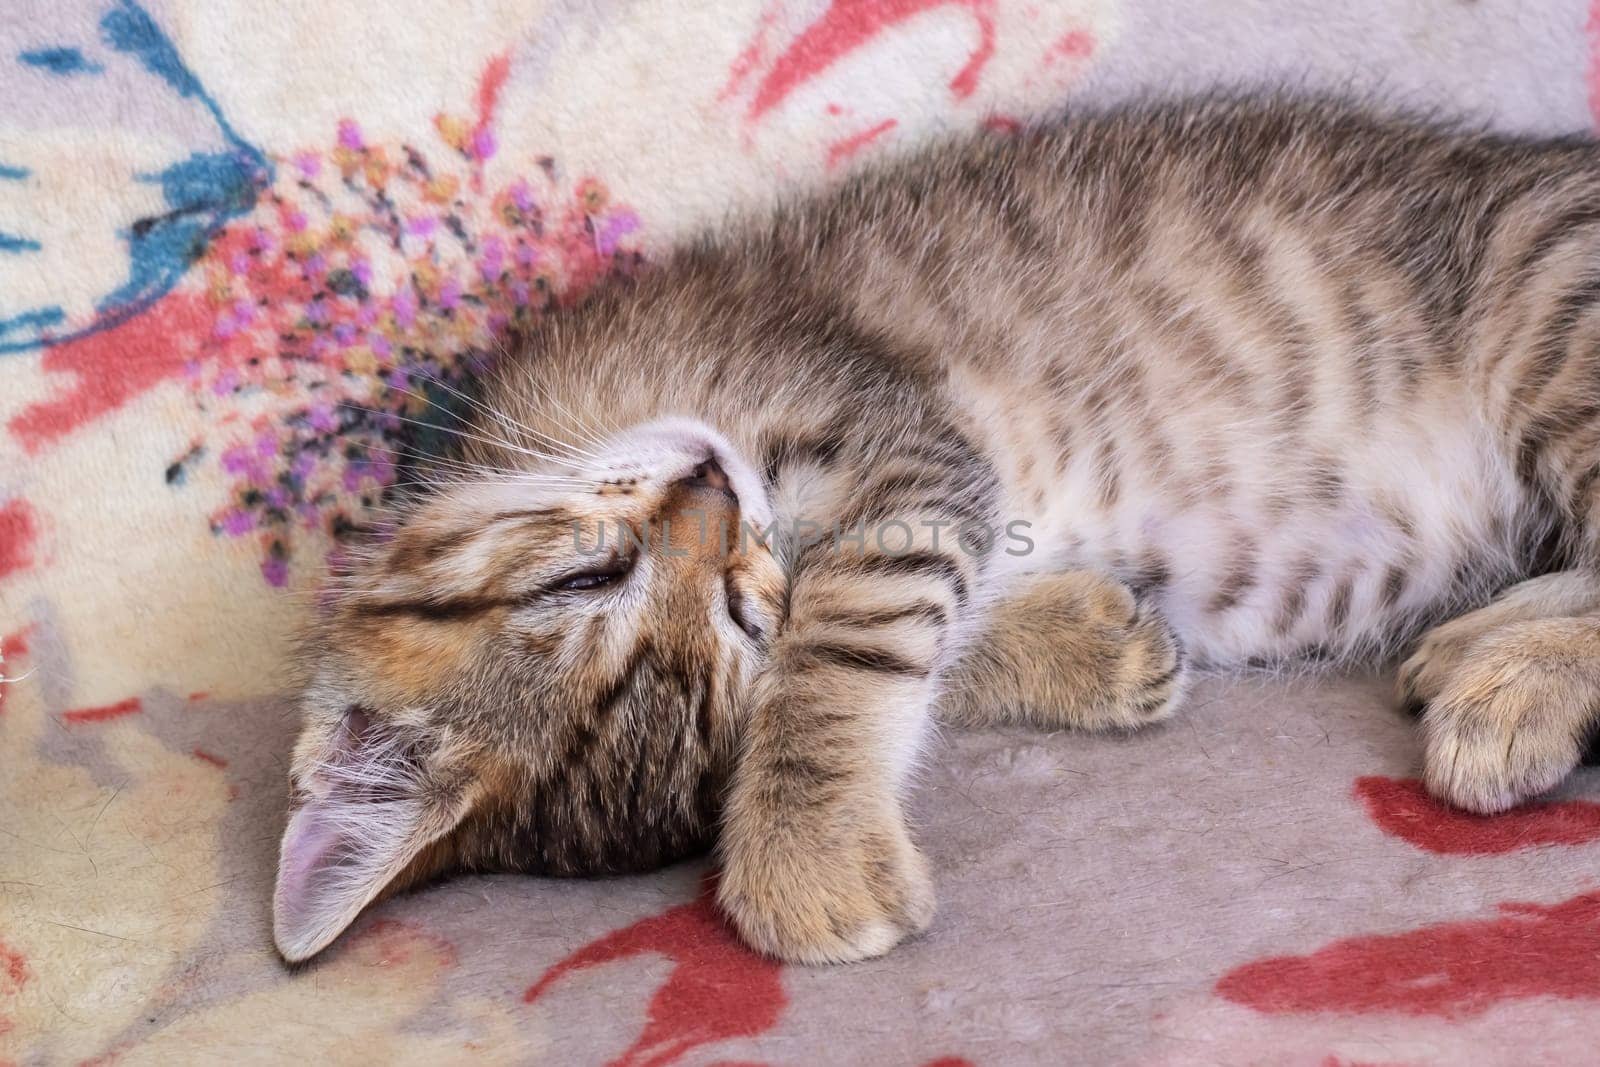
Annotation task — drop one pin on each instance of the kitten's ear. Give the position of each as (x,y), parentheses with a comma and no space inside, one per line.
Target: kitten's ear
(370,809)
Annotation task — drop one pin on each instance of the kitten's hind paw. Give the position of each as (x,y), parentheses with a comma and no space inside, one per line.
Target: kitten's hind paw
(1513,717)
(1155,669)
(1074,650)
(1437,658)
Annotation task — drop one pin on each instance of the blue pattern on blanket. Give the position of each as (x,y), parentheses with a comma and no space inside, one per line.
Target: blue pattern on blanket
(217,180)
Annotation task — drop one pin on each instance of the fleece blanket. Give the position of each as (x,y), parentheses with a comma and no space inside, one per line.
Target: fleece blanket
(236,242)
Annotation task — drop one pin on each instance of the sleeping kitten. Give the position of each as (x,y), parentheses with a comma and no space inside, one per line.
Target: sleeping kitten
(1028,426)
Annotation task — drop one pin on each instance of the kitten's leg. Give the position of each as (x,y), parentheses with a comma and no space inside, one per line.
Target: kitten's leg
(1070,650)
(1443,650)
(817,864)
(1513,717)
(1509,711)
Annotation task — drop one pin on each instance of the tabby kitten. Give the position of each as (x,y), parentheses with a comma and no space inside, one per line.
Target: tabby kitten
(1032,425)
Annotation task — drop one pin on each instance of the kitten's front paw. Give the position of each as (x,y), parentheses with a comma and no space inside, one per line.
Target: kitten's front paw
(1436,658)
(832,894)
(1511,719)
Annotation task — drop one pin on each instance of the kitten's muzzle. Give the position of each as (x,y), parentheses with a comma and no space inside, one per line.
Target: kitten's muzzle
(708,474)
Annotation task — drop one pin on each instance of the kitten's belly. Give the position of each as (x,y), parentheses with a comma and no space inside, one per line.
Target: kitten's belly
(1337,547)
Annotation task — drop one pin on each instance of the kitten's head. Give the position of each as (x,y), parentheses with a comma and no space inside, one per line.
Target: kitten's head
(491,691)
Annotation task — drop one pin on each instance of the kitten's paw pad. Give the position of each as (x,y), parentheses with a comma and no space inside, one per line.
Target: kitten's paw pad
(1508,724)
(827,900)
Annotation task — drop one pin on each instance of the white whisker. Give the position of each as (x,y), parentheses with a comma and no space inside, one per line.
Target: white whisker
(508,422)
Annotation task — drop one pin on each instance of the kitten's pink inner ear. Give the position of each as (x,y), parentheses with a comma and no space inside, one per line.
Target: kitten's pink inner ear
(337,856)
(364,821)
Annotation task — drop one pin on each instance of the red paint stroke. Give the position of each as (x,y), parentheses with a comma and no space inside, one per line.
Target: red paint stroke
(846,147)
(18,531)
(959,1061)
(106,1059)
(112,367)
(1404,809)
(13,976)
(105,712)
(748,59)
(1451,970)
(391,943)
(197,695)
(1591,31)
(718,989)
(1074,44)
(1003,124)
(849,24)
(13,646)
(210,757)
(13,970)
(489,85)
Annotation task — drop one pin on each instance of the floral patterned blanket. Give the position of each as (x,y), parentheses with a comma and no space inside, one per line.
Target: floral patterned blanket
(241,243)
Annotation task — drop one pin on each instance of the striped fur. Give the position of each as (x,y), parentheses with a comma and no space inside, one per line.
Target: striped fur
(1260,381)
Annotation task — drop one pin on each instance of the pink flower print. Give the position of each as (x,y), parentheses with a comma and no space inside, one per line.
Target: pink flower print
(483,143)
(275,569)
(522,195)
(405,307)
(492,262)
(617,226)
(592,195)
(450,294)
(320,418)
(350,136)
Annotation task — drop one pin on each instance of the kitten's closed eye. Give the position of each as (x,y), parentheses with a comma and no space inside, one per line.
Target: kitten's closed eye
(599,577)
(739,612)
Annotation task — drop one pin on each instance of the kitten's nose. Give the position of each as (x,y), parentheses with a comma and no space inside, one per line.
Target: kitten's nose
(710,475)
